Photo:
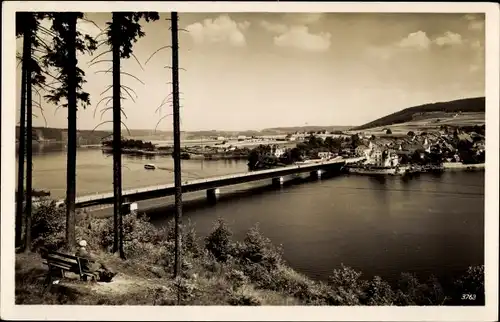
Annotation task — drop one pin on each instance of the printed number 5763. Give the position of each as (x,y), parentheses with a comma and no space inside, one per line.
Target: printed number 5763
(470,297)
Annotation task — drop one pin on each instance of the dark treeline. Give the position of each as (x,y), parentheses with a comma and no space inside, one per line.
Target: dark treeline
(132,144)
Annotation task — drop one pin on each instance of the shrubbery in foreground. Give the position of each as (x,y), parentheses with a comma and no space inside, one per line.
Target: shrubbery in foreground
(222,271)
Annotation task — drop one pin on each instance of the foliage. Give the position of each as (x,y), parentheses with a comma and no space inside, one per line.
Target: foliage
(389,131)
(48,226)
(250,267)
(130,30)
(219,241)
(132,144)
(58,57)
(242,297)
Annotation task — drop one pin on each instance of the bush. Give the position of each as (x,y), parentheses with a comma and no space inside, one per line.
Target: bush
(347,286)
(471,283)
(48,226)
(412,292)
(189,241)
(378,292)
(243,297)
(237,278)
(258,249)
(186,290)
(219,241)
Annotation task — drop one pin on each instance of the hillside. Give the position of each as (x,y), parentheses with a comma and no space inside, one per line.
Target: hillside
(59,135)
(469,105)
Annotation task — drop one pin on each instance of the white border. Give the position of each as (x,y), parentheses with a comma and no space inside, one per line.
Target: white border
(489,312)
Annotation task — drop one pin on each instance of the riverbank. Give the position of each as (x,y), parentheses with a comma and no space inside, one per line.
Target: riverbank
(216,271)
(187,155)
(460,166)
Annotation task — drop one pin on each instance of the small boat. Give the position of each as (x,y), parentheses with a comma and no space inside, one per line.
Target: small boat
(149,166)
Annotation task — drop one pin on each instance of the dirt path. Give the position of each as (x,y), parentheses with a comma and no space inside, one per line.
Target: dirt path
(123,284)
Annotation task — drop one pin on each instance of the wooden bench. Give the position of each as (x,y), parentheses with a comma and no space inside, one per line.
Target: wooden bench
(60,263)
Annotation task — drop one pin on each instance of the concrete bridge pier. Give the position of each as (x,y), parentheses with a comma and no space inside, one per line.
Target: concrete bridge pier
(278,181)
(316,174)
(212,195)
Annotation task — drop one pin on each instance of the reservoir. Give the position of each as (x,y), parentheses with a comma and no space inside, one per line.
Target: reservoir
(430,224)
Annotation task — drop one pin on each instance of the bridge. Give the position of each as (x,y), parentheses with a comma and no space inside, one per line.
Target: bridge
(212,184)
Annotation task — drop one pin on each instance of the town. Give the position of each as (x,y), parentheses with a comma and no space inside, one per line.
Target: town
(447,147)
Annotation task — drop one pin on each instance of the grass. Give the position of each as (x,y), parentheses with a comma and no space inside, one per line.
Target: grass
(216,271)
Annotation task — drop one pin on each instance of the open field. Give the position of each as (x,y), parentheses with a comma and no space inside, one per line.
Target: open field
(431,121)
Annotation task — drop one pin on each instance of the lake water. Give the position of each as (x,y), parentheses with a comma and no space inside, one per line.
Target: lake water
(431,224)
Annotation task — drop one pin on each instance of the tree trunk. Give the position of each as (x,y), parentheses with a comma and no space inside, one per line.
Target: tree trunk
(117,137)
(177,146)
(29,142)
(22,148)
(72,128)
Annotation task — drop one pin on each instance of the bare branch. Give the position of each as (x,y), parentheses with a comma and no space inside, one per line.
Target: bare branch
(92,22)
(57,108)
(164,47)
(41,41)
(104,111)
(109,108)
(162,104)
(104,71)
(46,31)
(100,61)
(181,29)
(100,125)
(107,136)
(47,85)
(128,93)
(124,73)
(43,115)
(137,60)
(130,89)
(103,53)
(128,131)
(169,67)
(97,105)
(161,119)
(102,42)
(107,89)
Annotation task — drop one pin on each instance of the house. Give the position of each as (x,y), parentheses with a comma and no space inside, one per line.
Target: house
(325,155)
(479,146)
(361,150)
(377,156)
(277,151)
(464,137)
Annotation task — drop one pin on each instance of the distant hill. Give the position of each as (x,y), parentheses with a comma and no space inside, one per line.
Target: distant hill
(476,104)
(59,135)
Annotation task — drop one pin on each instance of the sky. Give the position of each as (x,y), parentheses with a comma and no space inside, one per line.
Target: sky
(249,71)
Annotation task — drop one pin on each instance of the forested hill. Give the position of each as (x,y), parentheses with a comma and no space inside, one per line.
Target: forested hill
(476,104)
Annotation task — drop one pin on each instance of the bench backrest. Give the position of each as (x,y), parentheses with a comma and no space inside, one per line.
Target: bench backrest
(65,261)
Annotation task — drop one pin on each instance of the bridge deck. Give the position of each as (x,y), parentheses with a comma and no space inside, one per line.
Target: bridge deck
(158,191)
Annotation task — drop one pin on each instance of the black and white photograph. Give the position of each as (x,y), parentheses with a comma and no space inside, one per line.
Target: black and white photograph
(210,160)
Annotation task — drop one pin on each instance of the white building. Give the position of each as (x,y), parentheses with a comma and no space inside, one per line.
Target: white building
(278,152)
(325,155)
